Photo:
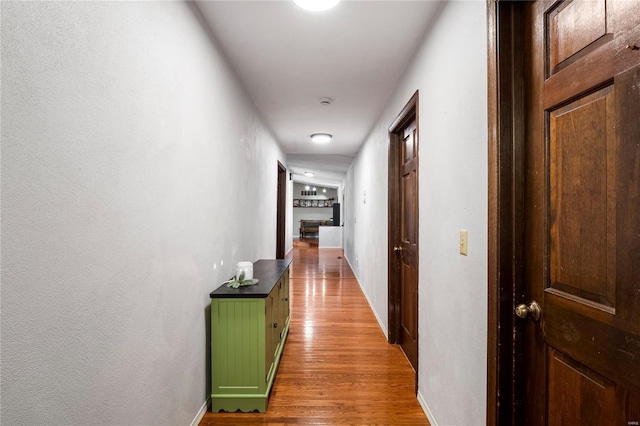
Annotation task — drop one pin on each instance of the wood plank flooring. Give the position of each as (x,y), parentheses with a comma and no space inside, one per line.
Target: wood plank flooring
(337,367)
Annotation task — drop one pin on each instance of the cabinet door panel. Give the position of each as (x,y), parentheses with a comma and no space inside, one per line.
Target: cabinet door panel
(286,295)
(268,336)
(235,346)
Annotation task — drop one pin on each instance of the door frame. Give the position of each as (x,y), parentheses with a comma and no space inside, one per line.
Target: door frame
(408,113)
(506,114)
(281,208)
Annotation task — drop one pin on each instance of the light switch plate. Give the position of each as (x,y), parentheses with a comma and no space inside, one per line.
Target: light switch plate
(463,242)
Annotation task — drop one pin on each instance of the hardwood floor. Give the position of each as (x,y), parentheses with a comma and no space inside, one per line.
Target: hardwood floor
(337,367)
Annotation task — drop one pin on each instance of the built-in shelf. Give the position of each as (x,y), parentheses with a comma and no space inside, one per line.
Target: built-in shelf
(304,203)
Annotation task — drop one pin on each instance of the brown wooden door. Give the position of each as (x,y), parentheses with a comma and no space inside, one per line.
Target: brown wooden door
(403,232)
(409,244)
(582,212)
(281,208)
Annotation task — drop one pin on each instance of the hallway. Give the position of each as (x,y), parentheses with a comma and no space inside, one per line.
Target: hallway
(337,367)
(140,164)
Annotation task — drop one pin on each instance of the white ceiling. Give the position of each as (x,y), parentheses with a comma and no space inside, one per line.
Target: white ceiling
(289,59)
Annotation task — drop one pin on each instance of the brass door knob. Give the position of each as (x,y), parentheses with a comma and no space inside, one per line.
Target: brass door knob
(397,248)
(533,310)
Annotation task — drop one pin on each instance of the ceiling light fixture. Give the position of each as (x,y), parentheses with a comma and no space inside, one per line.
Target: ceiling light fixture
(321,137)
(316,5)
(309,174)
(324,189)
(306,188)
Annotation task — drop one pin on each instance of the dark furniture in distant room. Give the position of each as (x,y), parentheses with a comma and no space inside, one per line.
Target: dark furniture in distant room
(308,226)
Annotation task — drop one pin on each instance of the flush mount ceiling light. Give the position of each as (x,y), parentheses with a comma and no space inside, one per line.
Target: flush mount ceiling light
(321,137)
(309,174)
(316,5)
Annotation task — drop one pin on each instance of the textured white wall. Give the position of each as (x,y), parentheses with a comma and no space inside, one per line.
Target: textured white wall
(365,219)
(290,227)
(449,69)
(133,166)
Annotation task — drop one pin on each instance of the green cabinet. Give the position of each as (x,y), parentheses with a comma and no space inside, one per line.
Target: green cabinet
(249,326)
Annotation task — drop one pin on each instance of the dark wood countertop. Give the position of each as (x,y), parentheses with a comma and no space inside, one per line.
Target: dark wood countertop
(267,271)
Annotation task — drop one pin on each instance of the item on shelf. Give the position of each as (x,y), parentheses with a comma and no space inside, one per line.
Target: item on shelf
(244,276)
(237,283)
(298,202)
(244,271)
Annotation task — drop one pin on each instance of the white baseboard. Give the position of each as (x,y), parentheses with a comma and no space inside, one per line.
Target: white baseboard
(201,412)
(380,323)
(426,410)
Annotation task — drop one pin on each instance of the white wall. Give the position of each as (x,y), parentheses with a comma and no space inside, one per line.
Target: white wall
(290,226)
(135,174)
(452,81)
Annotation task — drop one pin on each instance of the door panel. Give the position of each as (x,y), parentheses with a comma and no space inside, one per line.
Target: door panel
(592,339)
(631,409)
(628,203)
(582,184)
(409,313)
(579,396)
(582,226)
(573,26)
(408,225)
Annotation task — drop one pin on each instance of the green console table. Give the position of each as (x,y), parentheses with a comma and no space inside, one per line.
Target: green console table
(249,326)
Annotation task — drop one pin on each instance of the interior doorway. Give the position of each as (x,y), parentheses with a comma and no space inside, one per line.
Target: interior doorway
(403,232)
(281,208)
